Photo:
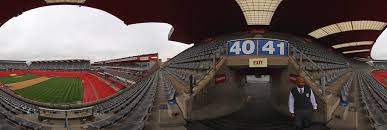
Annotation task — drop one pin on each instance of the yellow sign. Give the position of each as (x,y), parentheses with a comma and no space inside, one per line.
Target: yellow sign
(258,62)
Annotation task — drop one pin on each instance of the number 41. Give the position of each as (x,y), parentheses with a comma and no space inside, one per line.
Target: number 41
(269,47)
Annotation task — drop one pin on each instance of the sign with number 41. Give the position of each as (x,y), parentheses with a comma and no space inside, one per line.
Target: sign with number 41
(268,47)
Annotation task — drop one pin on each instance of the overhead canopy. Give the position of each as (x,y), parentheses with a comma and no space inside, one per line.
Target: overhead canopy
(195,20)
(60,61)
(12,62)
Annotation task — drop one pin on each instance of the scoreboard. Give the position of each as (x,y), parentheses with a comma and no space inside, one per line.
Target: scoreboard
(258,47)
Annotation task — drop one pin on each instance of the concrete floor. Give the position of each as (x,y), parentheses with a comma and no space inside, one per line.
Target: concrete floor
(257,114)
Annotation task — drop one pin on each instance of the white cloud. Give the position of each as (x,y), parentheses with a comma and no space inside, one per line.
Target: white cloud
(378,51)
(74,32)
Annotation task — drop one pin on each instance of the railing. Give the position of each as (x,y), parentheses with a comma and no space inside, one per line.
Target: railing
(212,68)
(294,50)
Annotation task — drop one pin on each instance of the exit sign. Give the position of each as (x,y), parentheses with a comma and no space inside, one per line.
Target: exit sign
(258,62)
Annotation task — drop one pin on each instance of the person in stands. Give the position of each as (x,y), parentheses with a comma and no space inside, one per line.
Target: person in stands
(302,104)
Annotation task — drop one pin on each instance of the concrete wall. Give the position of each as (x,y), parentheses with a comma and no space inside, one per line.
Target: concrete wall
(220,99)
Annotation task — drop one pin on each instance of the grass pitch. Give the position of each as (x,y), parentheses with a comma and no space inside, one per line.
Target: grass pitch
(57,90)
(15,79)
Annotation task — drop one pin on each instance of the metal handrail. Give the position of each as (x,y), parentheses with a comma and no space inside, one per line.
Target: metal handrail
(213,68)
(323,84)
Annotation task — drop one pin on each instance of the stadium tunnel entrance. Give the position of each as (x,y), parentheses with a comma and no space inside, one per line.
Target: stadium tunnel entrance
(229,90)
(242,97)
(249,98)
(232,93)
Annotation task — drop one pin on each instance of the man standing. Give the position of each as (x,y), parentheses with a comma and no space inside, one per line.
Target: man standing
(302,104)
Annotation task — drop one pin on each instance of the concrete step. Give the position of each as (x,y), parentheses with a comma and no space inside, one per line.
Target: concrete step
(341,112)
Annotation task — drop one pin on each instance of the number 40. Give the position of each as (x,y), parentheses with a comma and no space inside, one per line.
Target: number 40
(236,48)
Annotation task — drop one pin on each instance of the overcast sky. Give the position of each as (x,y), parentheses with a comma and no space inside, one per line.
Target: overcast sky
(379,50)
(74,32)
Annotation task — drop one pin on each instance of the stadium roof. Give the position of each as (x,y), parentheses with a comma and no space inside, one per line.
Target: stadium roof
(330,22)
(60,61)
(128,59)
(13,61)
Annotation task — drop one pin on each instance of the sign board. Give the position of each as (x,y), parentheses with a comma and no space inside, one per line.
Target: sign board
(258,62)
(258,47)
(130,58)
(144,58)
(220,78)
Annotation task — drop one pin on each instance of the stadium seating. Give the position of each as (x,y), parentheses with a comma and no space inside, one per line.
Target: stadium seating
(196,61)
(199,59)
(380,65)
(9,106)
(334,65)
(317,59)
(134,103)
(61,65)
(167,88)
(122,74)
(374,98)
(13,66)
(15,105)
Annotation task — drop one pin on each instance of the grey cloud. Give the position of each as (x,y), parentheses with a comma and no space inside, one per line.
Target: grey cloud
(73,32)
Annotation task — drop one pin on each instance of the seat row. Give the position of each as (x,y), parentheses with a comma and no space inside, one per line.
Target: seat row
(200,65)
(135,110)
(309,66)
(373,100)
(313,51)
(15,105)
(200,52)
(20,121)
(166,87)
(59,66)
(122,74)
(124,99)
(184,74)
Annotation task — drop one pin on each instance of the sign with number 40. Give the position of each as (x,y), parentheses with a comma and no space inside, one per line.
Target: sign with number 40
(271,47)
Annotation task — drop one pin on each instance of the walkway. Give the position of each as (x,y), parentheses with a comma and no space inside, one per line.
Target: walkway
(257,114)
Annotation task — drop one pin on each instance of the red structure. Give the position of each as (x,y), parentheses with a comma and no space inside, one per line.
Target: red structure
(380,76)
(8,73)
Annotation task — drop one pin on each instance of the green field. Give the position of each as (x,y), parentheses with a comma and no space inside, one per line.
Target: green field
(56,90)
(15,79)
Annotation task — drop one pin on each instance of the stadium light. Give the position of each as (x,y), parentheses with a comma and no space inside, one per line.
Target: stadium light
(64,1)
(361,43)
(347,26)
(356,51)
(258,12)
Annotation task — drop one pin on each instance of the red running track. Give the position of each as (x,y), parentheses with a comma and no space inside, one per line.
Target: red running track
(102,88)
(90,83)
(8,73)
(379,76)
